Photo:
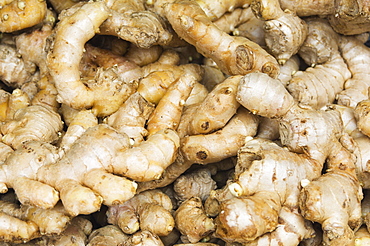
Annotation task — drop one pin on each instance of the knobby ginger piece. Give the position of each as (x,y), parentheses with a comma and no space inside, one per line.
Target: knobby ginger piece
(28,158)
(131,118)
(107,235)
(356,55)
(90,179)
(266,179)
(20,14)
(221,144)
(168,111)
(318,86)
(192,221)
(340,217)
(35,122)
(14,70)
(150,210)
(233,55)
(216,109)
(284,30)
(290,67)
(361,113)
(77,127)
(142,56)
(198,183)
(321,42)
(18,99)
(64,64)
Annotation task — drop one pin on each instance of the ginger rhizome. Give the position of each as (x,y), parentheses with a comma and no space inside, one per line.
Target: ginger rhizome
(233,55)
(149,210)
(301,132)
(18,15)
(284,30)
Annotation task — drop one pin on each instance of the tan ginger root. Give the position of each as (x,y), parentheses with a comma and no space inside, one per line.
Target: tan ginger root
(233,55)
(192,221)
(64,68)
(14,70)
(168,111)
(96,171)
(261,195)
(29,122)
(341,217)
(131,118)
(356,55)
(150,211)
(320,143)
(20,14)
(346,17)
(284,30)
(107,235)
(135,24)
(361,113)
(318,86)
(198,183)
(208,148)
(37,221)
(216,109)
(221,144)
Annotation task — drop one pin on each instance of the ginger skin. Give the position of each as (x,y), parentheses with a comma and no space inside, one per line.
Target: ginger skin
(18,15)
(233,55)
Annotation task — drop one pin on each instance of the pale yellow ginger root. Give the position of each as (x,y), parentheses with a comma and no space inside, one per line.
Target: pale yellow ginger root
(350,17)
(208,148)
(18,99)
(83,120)
(318,86)
(284,30)
(216,109)
(168,111)
(142,56)
(143,28)
(212,75)
(150,211)
(197,94)
(45,221)
(342,215)
(361,151)
(158,76)
(233,55)
(32,46)
(318,144)
(4,104)
(347,115)
(356,55)
(14,70)
(361,113)
(131,118)
(290,67)
(64,68)
(198,183)
(107,235)
(90,180)
(28,158)
(216,9)
(192,221)
(260,194)
(5,151)
(16,229)
(59,5)
(143,238)
(321,42)
(230,21)
(34,122)
(20,14)
(221,144)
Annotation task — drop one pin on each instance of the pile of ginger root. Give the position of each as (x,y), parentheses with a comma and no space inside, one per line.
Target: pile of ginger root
(184,122)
